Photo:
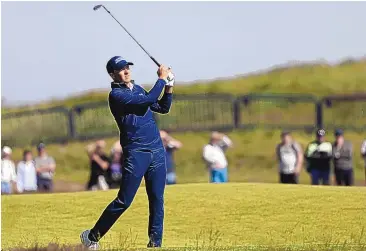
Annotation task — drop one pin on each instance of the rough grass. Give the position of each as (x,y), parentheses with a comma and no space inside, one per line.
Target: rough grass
(199,217)
(251,160)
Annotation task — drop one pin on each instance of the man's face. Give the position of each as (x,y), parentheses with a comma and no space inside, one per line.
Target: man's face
(116,156)
(286,139)
(321,138)
(28,157)
(42,151)
(339,139)
(7,156)
(123,76)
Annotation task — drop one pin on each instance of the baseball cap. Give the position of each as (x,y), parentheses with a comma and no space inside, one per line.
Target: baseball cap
(7,150)
(338,132)
(41,146)
(320,133)
(116,63)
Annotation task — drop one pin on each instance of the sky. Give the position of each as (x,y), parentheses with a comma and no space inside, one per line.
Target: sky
(55,49)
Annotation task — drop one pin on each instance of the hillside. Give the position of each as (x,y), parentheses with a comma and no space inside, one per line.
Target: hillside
(318,79)
(228,215)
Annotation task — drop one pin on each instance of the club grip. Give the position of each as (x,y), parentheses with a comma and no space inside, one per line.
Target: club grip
(156,62)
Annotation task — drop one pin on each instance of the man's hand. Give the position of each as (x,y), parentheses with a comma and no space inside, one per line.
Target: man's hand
(163,73)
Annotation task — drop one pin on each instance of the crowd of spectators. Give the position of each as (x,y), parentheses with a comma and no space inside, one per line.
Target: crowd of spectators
(320,159)
(30,174)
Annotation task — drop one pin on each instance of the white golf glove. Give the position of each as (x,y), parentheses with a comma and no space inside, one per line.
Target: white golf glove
(171,79)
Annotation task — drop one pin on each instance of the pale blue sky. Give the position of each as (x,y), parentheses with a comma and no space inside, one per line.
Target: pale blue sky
(53,49)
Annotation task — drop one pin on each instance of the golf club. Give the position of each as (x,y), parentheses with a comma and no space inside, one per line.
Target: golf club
(97,7)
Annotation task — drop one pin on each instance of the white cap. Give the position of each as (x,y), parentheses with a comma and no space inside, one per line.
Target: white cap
(7,150)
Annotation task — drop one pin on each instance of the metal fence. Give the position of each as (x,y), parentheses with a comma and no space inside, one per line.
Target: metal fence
(24,128)
(278,111)
(193,113)
(344,111)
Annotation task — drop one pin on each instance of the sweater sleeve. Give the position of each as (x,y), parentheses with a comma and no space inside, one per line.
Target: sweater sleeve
(127,98)
(163,105)
(208,155)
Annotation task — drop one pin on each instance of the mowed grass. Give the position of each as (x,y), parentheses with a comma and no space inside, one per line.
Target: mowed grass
(252,159)
(198,216)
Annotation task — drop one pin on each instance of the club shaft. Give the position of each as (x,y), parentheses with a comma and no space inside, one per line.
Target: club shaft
(152,58)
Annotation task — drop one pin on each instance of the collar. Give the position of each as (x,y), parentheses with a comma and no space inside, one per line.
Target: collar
(120,85)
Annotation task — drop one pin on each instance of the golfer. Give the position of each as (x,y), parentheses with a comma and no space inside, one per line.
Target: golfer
(142,146)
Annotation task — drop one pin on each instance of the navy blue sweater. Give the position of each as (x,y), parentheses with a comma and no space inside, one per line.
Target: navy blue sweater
(132,110)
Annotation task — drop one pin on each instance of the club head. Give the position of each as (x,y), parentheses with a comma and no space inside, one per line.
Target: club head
(96,7)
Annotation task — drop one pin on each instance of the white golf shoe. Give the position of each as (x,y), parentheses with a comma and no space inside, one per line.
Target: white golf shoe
(91,245)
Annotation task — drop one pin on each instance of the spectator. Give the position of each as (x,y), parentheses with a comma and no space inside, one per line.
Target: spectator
(8,175)
(318,155)
(363,154)
(170,145)
(99,164)
(114,172)
(27,177)
(290,159)
(214,156)
(45,166)
(342,159)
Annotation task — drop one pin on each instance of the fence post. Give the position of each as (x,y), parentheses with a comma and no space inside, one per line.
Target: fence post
(72,131)
(319,114)
(236,110)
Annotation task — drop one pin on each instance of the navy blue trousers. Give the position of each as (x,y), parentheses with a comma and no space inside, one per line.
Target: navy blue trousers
(318,175)
(139,163)
(344,177)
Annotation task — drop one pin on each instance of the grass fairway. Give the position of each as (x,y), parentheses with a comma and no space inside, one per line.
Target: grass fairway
(198,216)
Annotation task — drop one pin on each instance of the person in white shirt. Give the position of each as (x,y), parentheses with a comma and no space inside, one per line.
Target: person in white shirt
(363,154)
(214,156)
(8,175)
(27,175)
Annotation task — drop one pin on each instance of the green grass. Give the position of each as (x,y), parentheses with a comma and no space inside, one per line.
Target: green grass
(198,216)
(251,160)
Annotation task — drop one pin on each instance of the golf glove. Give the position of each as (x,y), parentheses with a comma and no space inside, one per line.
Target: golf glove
(170,79)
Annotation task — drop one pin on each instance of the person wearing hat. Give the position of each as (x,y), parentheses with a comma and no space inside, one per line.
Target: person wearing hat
(290,159)
(46,167)
(342,159)
(8,174)
(318,155)
(144,156)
